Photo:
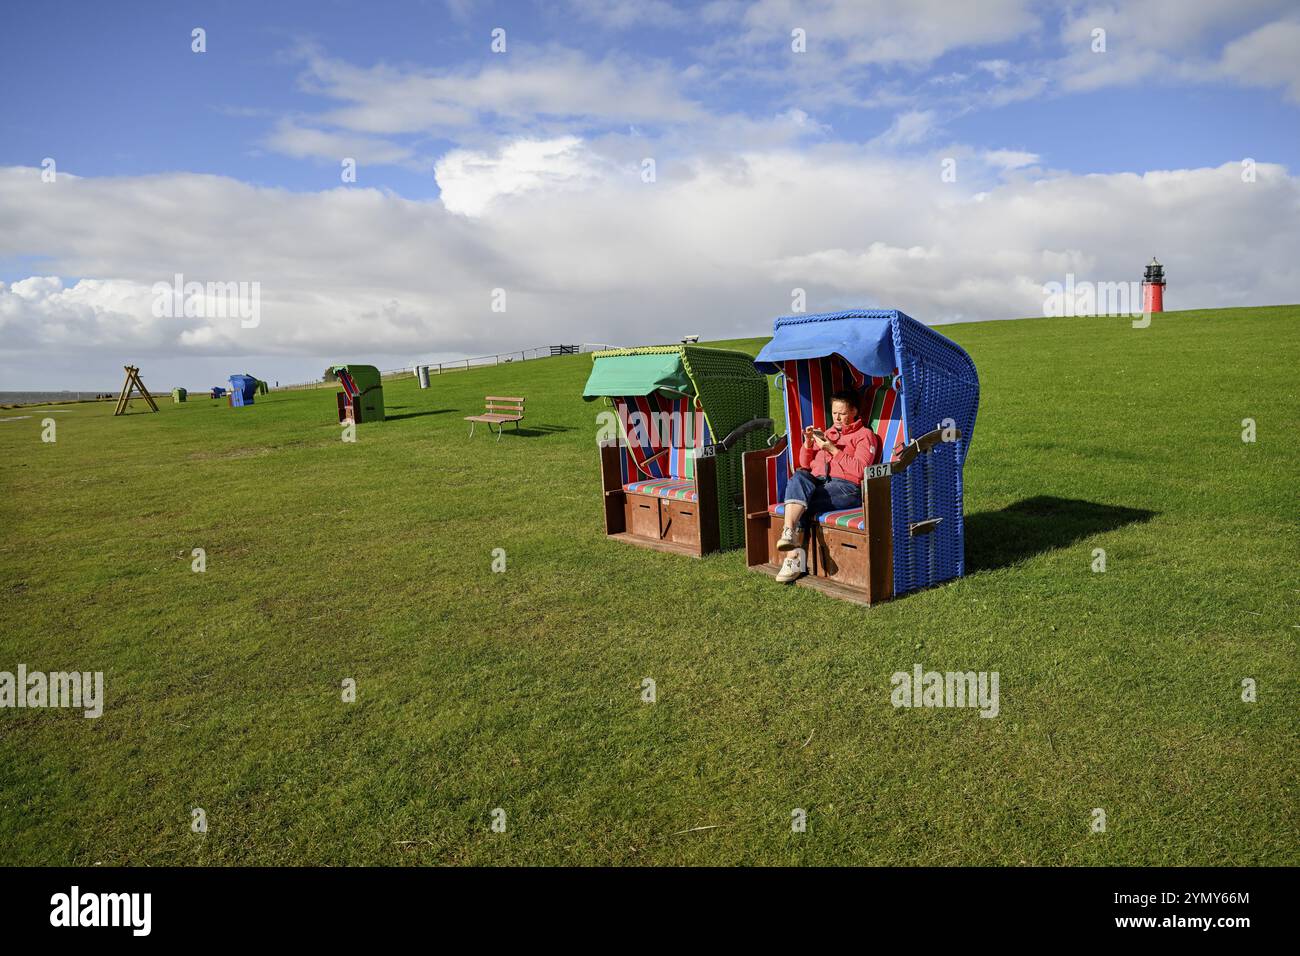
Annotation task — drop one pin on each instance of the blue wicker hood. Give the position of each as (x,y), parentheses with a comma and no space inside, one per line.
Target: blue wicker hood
(864,337)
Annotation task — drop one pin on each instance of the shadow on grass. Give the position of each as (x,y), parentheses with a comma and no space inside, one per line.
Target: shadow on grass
(996,539)
(436,411)
(534,431)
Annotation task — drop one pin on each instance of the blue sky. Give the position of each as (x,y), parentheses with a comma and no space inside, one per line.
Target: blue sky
(464,155)
(139,101)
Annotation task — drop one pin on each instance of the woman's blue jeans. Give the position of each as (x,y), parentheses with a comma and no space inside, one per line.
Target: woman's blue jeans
(820,495)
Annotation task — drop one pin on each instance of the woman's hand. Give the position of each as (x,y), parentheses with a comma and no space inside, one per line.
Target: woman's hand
(809,441)
(828,446)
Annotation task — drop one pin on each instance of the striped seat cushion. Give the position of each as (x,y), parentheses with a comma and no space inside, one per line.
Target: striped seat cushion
(678,489)
(850,519)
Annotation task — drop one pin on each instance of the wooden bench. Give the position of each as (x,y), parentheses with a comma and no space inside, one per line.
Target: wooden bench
(498,411)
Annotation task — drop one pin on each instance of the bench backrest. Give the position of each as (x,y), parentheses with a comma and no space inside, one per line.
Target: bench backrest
(499,405)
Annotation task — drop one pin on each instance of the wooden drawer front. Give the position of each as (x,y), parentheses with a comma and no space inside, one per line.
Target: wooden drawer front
(681,522)
(643,516)
(842,557)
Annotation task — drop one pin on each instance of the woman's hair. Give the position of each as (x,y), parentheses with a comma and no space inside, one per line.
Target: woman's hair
(848,398)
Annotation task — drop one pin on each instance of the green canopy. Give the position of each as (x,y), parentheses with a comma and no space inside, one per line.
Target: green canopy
(638,374)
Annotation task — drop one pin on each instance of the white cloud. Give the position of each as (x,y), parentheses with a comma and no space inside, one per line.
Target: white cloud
(908,129)
(999,69)
(1268,57)
(991,255)
(525,86)
(1158,40)
(292,139)
(802,121)
(41,312)
(587,253)
(624,14)
(1010,158)
(889,32)
(470,180)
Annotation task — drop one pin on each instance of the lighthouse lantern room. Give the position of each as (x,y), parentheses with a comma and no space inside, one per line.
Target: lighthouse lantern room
(1153,287)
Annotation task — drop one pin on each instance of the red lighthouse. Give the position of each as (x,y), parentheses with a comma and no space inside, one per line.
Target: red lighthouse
(1153,288)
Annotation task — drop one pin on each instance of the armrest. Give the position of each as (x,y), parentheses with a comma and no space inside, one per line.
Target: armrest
(741,431)
(923,445)
(776,448)
(641,468)
(758,457)
(753,470)
(708,451)
(615,444)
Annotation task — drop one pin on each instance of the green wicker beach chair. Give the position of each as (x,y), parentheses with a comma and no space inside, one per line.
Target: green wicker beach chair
(362,398)
(668,482)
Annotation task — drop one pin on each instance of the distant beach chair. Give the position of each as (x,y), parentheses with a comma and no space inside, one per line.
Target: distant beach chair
(362,398)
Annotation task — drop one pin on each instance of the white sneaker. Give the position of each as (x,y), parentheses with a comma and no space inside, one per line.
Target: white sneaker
(791,568)
(789,539)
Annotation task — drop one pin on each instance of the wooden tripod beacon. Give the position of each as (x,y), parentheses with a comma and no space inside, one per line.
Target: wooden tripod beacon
(132,382)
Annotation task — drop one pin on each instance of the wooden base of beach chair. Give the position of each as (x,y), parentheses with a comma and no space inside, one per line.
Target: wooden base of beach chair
(680,527)
(841,592)
(845,563)
(668,547)
(662,524)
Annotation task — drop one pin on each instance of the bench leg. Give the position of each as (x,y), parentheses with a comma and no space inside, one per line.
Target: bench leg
(500,430)
(471,429)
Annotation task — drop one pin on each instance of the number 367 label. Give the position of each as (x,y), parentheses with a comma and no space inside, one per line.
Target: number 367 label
(883,470)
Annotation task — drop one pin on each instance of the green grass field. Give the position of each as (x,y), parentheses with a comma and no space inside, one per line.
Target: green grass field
(522,690)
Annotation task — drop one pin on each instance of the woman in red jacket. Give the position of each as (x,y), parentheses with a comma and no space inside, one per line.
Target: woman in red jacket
(829,477)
